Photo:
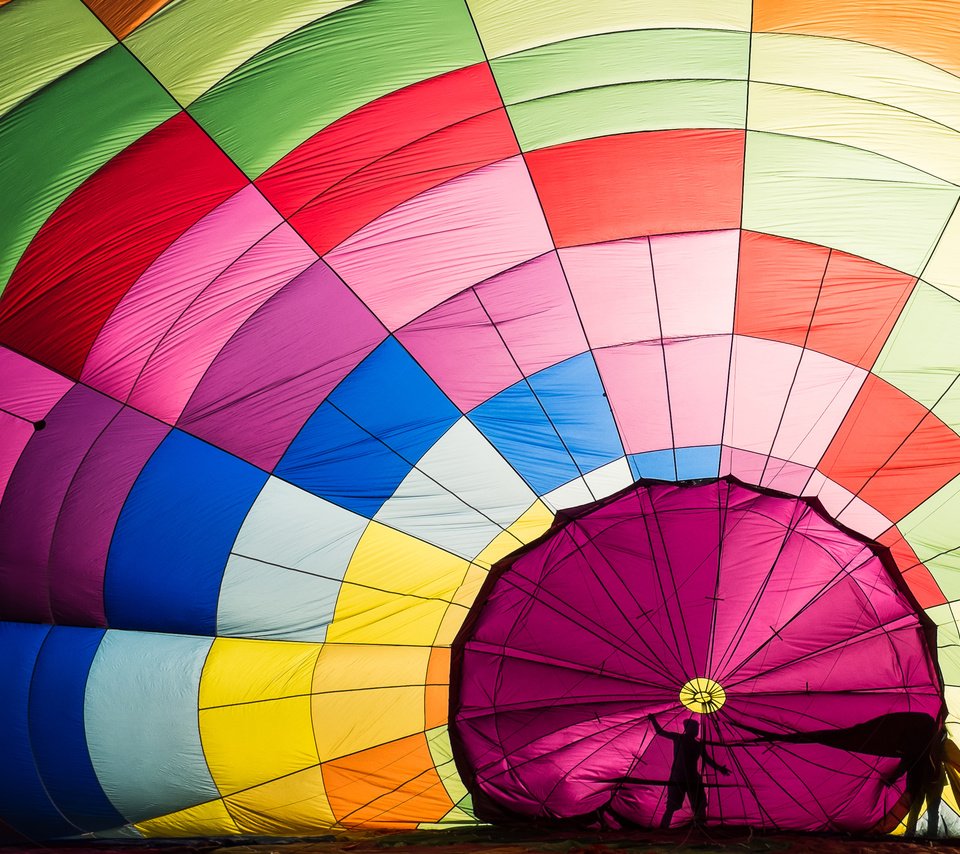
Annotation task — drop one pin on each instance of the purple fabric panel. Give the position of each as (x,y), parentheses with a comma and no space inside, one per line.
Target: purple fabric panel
(601,624)
(281,364)
(78,556)
(36,491)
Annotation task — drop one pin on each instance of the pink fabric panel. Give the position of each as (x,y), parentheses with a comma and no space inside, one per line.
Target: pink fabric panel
(612,285)
(841,504)
(819,400)
(696,277)
(27,389)
(179,361)
(16,433)
(765,471)
(534,312)
(760,379)
(697,382)
(157,299)
(636,387)
(460,348)
(442,241)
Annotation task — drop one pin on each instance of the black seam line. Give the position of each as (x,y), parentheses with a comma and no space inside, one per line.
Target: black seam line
(796,370)
(18,417)
(531,597)
(546,223)
(722,515)
(301,695)
(306,243)
(663,356)
(743,625)
(526,380)
(342,581)
(869,634)
(918,276)
(206,762)
(845,572)
(591,539)
(29,740)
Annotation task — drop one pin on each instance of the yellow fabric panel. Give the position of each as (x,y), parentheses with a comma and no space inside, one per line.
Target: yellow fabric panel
(885,130)
(191,46)
(859,70)
(239,670)
(366,695)
(451,624)
(395,590)
(296,804)
(534,521)
(506,26)
(929,29)
(249,744)
(209,819)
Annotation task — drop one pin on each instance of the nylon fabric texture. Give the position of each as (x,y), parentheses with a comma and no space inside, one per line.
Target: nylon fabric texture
(328,328)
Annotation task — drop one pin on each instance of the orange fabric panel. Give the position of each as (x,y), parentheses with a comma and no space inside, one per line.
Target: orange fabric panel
(437,693)
(637,184)
(921,583)
(778,289)
(122,17)
(777,286)
(890,451)
(858,306)
(926,29)
(391,785)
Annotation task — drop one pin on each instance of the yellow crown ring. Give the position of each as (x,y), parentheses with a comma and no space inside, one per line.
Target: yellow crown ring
(702,695)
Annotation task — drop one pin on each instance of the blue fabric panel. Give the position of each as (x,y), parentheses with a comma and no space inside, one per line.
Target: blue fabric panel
(514,423)
(697,462)
(174,536)
(57,730)
(572,394)
(24,802)
(656,465)
(360,444)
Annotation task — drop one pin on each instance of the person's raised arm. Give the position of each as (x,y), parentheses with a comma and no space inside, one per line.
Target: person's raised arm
(714,764)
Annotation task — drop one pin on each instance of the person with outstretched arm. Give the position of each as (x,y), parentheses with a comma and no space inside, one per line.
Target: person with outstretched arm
(685,779)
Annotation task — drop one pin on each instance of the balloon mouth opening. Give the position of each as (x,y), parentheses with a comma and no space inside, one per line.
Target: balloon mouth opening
(786,636)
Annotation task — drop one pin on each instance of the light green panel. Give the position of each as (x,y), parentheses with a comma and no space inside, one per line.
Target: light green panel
(318,74)
(933,531)
(629,57)
(191,44)
(442,754)
(859,70)
(844,198)
(63,134)
(922,355)
(41,40)
(629,108)
(508,26)
(948,650)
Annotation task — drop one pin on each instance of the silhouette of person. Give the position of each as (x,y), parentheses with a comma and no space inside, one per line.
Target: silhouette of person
(685,779)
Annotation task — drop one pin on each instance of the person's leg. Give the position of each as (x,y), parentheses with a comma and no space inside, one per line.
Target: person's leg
(667,818)
(934,795)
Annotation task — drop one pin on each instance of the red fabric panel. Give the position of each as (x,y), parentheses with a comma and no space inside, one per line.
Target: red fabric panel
(414,130)
(777,286)
(858,307)
(876,425)
(629,185)
(103,237)
(921,583)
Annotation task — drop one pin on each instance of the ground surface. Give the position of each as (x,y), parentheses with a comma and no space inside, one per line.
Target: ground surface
(490,841)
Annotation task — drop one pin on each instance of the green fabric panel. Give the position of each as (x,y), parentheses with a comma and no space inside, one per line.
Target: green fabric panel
(948,648)
(316,75)
(844,198)
(189,46)
(626,57)
(441,752)
(66,132)
(629,108)
(932,529)
(922,354)
(41,41)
